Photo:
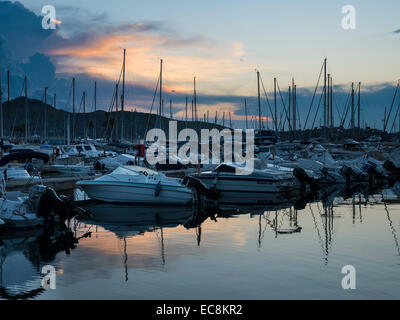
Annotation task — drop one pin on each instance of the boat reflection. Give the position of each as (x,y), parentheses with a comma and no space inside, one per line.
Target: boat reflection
(130,220)
(22,255)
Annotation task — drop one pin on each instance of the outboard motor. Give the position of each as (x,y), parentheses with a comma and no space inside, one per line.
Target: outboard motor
(304,178)
(394,172)
(390,167)
(201,188)
(46,203)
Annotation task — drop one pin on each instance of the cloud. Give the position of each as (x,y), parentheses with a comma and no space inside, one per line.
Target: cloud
(396,31)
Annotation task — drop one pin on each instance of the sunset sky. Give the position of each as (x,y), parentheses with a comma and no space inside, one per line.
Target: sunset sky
(219,42)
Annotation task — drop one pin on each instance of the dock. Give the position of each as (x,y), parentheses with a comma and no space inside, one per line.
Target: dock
(57,183)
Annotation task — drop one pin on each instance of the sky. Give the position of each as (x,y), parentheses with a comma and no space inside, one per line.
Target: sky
(221,43)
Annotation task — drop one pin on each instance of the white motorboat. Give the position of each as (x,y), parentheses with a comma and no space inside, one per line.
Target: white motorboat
(133,184)
(225,179)
(74,169)
(15,176)
(27,211)
(111,163)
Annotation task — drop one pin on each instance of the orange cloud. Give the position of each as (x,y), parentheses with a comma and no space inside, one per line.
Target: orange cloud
(215,67)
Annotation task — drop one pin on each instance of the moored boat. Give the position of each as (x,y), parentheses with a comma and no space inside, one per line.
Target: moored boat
(133,184)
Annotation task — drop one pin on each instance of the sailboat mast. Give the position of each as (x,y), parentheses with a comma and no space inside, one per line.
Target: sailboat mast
(161,67)
(275,111)
(45,114)
(73,108)
(116,111)
(325,94)
(259,100)
(55,115)
(294,104)
(1,107)
(331,103)
(123,98)
(359,109)
(84,114)
(95,109)
(245,110)
(8,87)
(26,109)
(352,105)
(195,98)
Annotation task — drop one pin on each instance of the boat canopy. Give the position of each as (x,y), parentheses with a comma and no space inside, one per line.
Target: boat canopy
(24,156)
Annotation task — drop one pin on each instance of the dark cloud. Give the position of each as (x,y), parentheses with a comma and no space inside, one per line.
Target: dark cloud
(396,31)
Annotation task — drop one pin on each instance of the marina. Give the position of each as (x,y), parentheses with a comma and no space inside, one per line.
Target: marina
(148,155)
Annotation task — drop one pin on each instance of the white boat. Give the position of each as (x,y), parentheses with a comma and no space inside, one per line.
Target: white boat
(225,179)
(111,163)
(74,169)
(27,211)
(133,184)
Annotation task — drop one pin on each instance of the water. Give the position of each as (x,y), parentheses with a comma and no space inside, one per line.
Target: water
(164,253)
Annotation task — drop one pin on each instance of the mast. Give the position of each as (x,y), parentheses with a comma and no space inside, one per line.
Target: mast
(73,108)
(8,87)
(95,109)
(116,111)
(259,100)
(294,105)
(359,109)
(55,114)
(195,98)
(84,114)
(45,114)
(1,107)
(289,107)
(161,67)
(352,106)
(245,110)
(325,97)
(186,110)
(331,103)
(192,111)
(26,109)
(123,98)
(170,107)
(275,111)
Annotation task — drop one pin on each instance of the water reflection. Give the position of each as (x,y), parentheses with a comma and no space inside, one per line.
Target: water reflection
(205,237)
(22,255)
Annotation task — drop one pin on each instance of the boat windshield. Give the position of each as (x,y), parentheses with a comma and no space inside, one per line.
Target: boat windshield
(125,171)
(134,171)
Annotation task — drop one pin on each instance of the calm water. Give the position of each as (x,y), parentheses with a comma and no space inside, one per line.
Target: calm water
(228,253)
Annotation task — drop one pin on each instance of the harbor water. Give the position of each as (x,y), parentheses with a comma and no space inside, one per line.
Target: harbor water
(257,252)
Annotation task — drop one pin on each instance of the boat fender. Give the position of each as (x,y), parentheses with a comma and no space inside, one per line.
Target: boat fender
(157,189)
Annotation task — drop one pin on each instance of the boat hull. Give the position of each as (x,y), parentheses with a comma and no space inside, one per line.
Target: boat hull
(248,184)
(129,193)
